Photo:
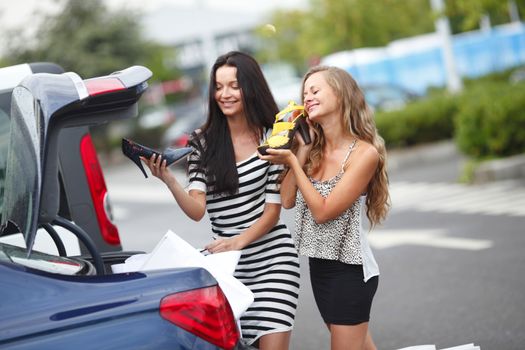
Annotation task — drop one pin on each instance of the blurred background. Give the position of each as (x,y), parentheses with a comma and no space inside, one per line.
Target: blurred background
(445,78)
(424,64)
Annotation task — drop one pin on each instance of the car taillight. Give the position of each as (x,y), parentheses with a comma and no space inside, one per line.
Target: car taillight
(98,190)
(204,312)
(103,86)
(182,141)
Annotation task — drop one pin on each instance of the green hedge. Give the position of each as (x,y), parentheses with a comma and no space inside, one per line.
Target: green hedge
(491,120)
(487,120)
(423,121)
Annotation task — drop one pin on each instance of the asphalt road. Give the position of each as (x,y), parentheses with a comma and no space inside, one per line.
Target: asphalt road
(450,256)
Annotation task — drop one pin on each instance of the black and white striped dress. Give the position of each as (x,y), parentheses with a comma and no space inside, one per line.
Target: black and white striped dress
(268,266)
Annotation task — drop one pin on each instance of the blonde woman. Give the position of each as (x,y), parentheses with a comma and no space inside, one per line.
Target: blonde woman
(334,182)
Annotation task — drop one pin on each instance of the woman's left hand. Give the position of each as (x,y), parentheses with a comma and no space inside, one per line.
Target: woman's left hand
(224,245)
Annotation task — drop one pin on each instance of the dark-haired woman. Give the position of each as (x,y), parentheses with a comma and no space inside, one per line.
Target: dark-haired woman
(240,192)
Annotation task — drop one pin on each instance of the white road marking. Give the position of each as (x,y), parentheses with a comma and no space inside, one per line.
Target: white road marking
(382,239)
(500,198)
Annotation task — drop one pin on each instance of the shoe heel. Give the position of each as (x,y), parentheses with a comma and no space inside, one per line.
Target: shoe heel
(304,130)
(133,151)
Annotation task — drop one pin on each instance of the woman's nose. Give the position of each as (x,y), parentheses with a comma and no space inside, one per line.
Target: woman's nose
(306,97)
(226,91)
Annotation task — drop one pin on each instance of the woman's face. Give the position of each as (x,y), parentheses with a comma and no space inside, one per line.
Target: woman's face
(319,98)
(227,91)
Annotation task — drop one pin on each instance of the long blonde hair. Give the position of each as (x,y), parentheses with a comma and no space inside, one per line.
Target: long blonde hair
(358,119)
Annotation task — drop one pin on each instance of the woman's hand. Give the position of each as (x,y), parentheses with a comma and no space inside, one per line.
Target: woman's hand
(278,156)
(220,245)
(158,168)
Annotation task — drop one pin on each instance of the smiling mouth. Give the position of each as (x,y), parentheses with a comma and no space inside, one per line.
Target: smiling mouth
(309,108)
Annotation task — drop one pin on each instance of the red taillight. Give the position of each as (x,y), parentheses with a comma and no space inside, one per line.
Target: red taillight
(182,141)
(204,312)
(103,85)
(98,190)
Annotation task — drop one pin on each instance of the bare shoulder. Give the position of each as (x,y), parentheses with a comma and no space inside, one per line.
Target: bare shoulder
(367,150)
(364,153)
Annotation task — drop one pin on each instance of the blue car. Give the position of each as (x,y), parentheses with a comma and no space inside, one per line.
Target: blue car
(52,301)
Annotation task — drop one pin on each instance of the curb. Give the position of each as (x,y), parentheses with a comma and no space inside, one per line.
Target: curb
(500,169)
(510,168)
(422,154)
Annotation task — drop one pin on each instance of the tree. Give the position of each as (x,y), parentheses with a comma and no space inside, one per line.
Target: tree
(467,14)
(335,25)
(87,38)
(329,26)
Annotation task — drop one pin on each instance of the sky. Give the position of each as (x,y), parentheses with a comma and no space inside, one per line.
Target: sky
(16,12)
(21,13)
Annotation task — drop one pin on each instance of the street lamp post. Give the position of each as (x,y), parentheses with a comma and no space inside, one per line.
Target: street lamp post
(454,83)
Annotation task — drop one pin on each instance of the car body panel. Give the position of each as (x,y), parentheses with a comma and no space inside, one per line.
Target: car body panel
(63,309)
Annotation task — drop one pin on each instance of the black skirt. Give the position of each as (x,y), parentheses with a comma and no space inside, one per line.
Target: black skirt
(343,298)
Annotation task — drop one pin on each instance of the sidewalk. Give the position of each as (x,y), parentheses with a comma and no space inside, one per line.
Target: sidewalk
(488,171)
(421,154)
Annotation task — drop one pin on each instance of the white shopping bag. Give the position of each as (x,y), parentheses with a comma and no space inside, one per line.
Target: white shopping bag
(172,251)
(470,346)
(132,264)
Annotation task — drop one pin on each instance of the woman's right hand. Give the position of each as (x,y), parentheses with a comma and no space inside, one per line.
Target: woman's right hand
(278,156)
(158,168)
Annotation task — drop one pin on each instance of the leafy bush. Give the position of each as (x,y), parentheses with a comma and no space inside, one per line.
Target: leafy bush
(487,120)
(423,121)
(491,120)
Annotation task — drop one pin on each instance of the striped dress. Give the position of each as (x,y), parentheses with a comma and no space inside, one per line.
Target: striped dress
(268,266)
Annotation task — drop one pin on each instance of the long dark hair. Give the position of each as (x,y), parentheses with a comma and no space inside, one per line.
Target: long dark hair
(217,154)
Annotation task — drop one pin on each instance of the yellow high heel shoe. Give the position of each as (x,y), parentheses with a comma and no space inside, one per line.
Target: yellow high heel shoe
(287,122)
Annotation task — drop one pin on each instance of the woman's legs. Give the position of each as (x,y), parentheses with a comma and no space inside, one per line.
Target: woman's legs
(275,341)
(343,337)
(369,343)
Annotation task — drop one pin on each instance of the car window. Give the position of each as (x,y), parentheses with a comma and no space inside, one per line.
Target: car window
(5,105)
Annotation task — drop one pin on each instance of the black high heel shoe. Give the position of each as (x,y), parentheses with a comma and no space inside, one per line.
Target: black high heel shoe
(134,151)
(284,128)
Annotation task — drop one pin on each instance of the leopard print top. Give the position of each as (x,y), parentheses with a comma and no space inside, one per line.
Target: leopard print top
(337,239)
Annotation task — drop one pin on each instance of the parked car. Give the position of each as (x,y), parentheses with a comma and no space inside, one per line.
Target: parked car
(284,81)
(517,76)
(386,97)
(156,117)
(83,194)
(189,116)
(63,302)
